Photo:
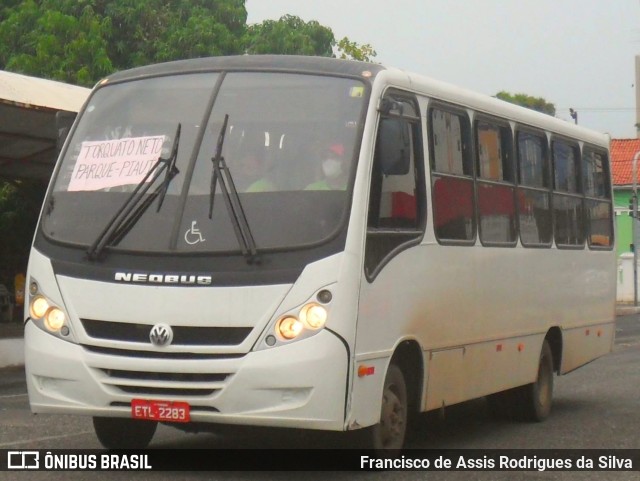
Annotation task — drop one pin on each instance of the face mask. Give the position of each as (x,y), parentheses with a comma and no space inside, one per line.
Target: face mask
(332,168)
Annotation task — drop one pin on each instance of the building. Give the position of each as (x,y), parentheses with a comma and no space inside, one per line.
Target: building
(28,150)
(28,108)
(622,153)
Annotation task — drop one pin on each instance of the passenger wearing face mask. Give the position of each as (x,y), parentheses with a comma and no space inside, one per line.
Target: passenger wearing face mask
(334,171)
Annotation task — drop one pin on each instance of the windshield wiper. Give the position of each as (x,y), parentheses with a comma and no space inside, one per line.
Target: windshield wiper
(231,200)
(132,208)
(171,171)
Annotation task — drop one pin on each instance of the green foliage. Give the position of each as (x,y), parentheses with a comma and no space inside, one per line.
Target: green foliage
(353,51)
(81,41)
(290,35)
(38,39)
(535,103)
(148,31)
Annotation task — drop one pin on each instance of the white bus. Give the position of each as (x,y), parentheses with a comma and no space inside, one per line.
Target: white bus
(313,243)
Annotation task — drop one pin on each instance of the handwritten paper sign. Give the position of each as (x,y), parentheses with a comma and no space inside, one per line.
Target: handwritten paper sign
(111,163)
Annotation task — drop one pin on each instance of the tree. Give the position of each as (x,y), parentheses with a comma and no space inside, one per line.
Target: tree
(39,39)
(80,41)
(289,35)
(535,103)
(352,51)
(149,31)
(293,36)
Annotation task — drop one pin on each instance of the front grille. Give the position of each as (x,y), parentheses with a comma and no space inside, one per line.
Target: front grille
(150,383)
(156,354)
(182,335)
(164,391)
(166,376)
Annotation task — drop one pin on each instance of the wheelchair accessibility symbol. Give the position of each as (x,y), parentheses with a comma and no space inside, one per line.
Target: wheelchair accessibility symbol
(193,235)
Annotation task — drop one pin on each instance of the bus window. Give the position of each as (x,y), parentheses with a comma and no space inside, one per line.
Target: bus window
(567,200)
(598,199)
(534,201)
(496,190)
(452,176)
(395,206)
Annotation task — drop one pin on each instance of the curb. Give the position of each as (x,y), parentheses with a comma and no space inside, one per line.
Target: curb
(624,310)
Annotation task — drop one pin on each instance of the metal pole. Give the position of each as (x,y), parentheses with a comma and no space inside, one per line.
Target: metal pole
(635,228)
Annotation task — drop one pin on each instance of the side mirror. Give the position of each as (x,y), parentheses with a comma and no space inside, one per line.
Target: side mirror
(394,146)
(64,121)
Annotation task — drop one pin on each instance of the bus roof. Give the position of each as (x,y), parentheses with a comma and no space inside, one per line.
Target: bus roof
(298,63)
(486,104)
(404,79)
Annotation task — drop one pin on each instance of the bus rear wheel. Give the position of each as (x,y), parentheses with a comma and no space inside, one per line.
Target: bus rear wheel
(122,433)
(389,433)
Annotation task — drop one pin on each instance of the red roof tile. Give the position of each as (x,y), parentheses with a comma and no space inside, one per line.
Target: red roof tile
(622,152)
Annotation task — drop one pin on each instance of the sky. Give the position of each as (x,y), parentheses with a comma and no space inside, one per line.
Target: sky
(576,54)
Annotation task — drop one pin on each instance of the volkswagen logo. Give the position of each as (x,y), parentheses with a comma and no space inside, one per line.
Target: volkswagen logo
(161,335)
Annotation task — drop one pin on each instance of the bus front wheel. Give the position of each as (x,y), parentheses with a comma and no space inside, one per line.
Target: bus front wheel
(390,432)
(122,433)
(535,399)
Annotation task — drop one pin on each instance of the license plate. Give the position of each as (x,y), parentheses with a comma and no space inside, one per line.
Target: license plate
(166,411)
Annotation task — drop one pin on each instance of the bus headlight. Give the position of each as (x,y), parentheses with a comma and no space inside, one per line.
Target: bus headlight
(46,315)
(314,316)
(54,319)
(39,307)
(289,327)
(298,323)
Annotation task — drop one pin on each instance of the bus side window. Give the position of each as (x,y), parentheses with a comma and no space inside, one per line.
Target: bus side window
(452,176)
(598,206)
(396,205)
(533,196)
(568,208)
(495,183)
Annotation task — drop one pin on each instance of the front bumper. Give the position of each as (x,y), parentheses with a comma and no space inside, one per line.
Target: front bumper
(301,385)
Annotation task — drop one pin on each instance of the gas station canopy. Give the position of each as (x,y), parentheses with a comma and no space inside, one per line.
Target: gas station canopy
(28,133)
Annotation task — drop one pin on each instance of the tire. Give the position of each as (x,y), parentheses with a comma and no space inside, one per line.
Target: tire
(122,433)
(389,433)
(534,400)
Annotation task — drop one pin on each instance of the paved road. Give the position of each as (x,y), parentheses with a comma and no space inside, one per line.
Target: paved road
(597,406)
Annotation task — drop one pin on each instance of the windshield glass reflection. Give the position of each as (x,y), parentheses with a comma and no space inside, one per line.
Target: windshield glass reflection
(289,148)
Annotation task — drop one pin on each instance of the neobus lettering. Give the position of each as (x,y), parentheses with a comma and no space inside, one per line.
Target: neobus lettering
(139,277)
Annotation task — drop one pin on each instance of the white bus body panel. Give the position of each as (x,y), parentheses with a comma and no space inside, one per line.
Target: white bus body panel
(479,314)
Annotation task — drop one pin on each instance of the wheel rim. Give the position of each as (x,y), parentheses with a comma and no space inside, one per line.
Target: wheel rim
(393,419)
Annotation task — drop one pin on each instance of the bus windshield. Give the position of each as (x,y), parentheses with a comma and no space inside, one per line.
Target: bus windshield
(290,148)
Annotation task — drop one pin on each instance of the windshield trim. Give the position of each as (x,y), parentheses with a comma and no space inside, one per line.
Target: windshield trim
(255,63)
(366,82)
